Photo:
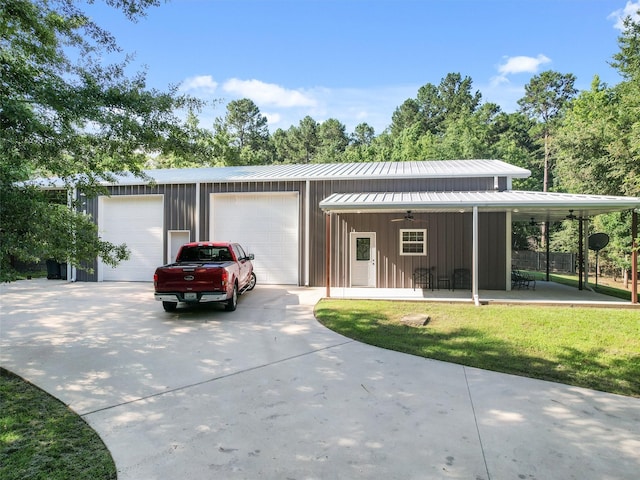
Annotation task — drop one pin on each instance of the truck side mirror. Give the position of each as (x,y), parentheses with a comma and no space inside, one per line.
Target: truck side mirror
(250,256)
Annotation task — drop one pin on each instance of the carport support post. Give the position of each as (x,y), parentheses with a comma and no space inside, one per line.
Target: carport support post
(474,273)
(580,253)
(327,259)
(548,246)
(634,257)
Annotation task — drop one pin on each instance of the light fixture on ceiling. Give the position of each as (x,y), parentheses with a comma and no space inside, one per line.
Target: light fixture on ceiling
(571,216)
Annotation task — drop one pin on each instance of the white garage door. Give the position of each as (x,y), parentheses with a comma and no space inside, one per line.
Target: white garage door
(265,224)
(137,221)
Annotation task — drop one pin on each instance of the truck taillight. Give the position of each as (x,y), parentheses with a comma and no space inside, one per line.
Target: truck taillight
(155,279)
(224,278)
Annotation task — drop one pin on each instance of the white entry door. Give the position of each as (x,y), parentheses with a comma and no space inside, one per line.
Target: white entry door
(176,239)
(363,259)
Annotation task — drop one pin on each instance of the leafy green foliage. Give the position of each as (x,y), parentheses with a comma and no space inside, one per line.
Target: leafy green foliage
(546,96)
(85,122)
(65,114)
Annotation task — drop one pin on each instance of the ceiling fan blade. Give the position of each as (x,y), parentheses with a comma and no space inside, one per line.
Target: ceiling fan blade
(407,217)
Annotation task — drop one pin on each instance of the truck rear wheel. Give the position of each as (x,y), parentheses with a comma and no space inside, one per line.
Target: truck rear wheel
(169,306)
(232,303)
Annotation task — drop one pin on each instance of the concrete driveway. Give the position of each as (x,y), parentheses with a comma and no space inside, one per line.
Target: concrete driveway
(266,392)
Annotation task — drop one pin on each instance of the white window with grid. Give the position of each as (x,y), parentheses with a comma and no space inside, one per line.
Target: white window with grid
(413,242)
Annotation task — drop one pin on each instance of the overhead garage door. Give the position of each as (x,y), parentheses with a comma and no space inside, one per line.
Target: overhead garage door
(136,220)
(265,224)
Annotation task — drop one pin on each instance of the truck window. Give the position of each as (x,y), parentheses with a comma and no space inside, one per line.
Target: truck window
(188,255)
(239,251)
(224,254)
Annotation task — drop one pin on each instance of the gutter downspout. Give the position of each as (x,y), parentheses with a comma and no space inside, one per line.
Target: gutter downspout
(327,255)
(197,214)
(474,274)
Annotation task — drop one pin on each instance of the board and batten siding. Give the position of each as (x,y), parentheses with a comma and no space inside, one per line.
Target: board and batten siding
(449,247)
(179,213)
(396,273)
(184,202)
(206,189)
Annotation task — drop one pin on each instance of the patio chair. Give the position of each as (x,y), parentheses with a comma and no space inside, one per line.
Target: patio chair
(522,279)
(461,279)
(423,278)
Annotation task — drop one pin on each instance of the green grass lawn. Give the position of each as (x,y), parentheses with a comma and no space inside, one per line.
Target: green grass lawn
(596,348)
(40,438)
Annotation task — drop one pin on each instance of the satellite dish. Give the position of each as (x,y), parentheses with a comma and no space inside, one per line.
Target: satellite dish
(597,241)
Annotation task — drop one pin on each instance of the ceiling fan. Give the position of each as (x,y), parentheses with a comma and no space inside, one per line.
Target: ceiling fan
(571,216)
(407,218)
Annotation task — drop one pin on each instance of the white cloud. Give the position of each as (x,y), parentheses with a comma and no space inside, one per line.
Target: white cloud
(268,93)
(522,64)
(629,10)
(199,83)
(516,65)
(284,107)
(273,118)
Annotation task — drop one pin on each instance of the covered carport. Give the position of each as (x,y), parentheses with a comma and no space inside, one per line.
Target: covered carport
(518,206)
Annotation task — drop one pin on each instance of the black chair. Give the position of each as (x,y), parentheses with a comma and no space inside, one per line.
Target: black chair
(522,279)
(461,279)
(423,278)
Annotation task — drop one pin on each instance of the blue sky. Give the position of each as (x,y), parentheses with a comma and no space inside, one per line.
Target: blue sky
(358,60)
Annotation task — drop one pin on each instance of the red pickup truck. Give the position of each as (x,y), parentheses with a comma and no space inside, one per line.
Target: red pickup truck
(205,272)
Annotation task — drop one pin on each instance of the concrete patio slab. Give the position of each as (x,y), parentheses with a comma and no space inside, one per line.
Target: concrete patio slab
(549,293)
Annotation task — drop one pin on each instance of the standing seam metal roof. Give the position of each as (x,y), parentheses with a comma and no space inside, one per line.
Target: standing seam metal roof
(334,171)
(523,204)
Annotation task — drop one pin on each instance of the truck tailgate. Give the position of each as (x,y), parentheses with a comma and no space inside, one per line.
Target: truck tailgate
(181,277)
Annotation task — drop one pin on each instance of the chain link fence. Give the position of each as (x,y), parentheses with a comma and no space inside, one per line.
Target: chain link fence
(558,262)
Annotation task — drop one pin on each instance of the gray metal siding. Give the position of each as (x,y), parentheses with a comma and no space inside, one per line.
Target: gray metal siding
(207,189)
(88,272)
(492,244)
(179,213)
(395,271)
(449,247)
(321,190)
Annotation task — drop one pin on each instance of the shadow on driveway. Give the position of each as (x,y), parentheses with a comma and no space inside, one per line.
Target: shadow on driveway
(267,392)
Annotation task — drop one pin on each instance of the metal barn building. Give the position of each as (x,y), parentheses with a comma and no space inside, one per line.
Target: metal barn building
(358,224)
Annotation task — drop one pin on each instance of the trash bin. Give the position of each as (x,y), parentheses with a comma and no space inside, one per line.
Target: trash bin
(63,271)
(53,270)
